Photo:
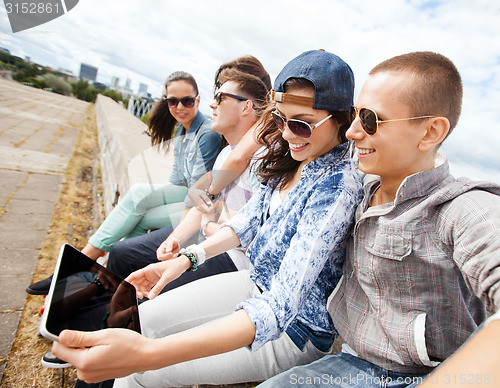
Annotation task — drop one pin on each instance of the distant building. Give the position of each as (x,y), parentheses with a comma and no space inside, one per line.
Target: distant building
(143,90)
(115,81)
(127,84)
(88,72)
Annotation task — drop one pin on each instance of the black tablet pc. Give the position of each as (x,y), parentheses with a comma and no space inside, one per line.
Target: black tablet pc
(86,296)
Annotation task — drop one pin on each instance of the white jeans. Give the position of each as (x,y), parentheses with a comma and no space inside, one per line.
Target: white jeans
(200,302)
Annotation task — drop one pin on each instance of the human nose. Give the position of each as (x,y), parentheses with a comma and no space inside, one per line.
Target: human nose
(286,133)
(213,104)
(355,131)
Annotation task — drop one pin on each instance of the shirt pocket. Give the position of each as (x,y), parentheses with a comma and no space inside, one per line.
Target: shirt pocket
(390,244)
(190,153)
(388,264)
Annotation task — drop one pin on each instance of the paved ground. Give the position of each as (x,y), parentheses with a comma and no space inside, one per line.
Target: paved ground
(37,137)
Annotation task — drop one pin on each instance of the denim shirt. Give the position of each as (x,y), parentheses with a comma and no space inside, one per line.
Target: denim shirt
(297,252)
(420,271)
(194,152)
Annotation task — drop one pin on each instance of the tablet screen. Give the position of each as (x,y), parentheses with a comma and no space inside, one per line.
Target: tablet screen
(86,296)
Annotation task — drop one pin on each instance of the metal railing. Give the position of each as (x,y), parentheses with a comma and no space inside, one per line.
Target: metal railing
(139,107)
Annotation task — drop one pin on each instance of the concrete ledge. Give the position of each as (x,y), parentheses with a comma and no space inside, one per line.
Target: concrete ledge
(126,155)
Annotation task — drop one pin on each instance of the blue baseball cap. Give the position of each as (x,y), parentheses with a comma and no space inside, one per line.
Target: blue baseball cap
(333,80)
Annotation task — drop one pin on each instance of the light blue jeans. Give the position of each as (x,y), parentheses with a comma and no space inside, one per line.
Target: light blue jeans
(144,207)
(342,370)
(203,301)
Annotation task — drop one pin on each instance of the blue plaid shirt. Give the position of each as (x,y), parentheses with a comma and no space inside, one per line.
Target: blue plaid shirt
(297,252)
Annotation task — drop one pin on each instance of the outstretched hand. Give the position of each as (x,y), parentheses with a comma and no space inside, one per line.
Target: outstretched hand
(95,354)
(150,280)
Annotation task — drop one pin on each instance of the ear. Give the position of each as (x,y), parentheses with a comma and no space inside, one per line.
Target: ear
(247,108)
(436,131)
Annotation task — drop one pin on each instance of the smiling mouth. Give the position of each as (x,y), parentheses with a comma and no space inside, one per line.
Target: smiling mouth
(297,147)
(365,151)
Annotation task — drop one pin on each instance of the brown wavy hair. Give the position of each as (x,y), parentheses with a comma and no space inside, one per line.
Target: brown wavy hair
(247,64)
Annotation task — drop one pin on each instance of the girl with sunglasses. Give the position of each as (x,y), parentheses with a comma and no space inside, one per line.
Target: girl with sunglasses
(258,322)
(175,118)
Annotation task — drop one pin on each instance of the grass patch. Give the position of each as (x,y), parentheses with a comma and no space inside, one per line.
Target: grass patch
(76,214)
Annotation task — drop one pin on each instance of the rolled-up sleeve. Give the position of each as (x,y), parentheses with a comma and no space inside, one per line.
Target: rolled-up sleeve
(321,230)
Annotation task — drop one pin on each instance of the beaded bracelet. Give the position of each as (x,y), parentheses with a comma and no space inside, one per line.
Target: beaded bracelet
(200,253)
(192,258)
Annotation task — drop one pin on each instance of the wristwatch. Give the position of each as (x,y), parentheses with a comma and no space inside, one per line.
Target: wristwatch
(212,197)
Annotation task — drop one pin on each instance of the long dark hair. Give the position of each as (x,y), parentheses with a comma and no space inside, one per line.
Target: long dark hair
(277,167)
(161,123)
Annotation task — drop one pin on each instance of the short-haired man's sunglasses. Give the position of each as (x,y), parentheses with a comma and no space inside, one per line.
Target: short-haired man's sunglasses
(219,97)
(297,127)
(369,119)
(188,102)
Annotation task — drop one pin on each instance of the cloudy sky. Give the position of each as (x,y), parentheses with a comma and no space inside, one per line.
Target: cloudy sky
(147,40)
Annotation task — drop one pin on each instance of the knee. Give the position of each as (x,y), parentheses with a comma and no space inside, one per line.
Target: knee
(117,256)
(117,250)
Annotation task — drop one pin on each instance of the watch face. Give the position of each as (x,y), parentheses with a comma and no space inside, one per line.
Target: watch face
(211,196)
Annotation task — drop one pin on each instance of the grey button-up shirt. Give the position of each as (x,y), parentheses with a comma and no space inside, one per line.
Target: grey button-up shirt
(420,271)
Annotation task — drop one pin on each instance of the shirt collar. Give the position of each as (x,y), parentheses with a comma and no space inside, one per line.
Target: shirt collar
(195,124)
(416,185)
(328,159)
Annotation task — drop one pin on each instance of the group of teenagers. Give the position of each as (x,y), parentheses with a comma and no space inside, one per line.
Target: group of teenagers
(270,243)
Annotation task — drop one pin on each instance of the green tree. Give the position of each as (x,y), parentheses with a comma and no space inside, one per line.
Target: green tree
(83,91)
(26,71)
(57,84)
(38,83)
(117,96)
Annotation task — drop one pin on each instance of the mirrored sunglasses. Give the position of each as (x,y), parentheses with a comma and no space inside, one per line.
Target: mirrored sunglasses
(297,127)
(369,119)
(187,102)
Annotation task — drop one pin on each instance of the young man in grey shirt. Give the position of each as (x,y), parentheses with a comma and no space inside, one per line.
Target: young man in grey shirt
(423,261)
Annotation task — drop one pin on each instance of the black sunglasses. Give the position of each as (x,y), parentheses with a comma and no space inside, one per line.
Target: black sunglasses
(219,97)
(369,119)
(188,102)
(297,127)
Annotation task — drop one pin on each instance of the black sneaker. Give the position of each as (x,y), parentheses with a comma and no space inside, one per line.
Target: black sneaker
(51,361)
(41,287)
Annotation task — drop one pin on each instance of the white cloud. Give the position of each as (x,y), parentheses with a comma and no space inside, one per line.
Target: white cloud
(147,40)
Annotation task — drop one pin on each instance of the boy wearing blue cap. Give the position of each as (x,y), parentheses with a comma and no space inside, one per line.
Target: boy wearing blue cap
(422,265)
(273,316)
